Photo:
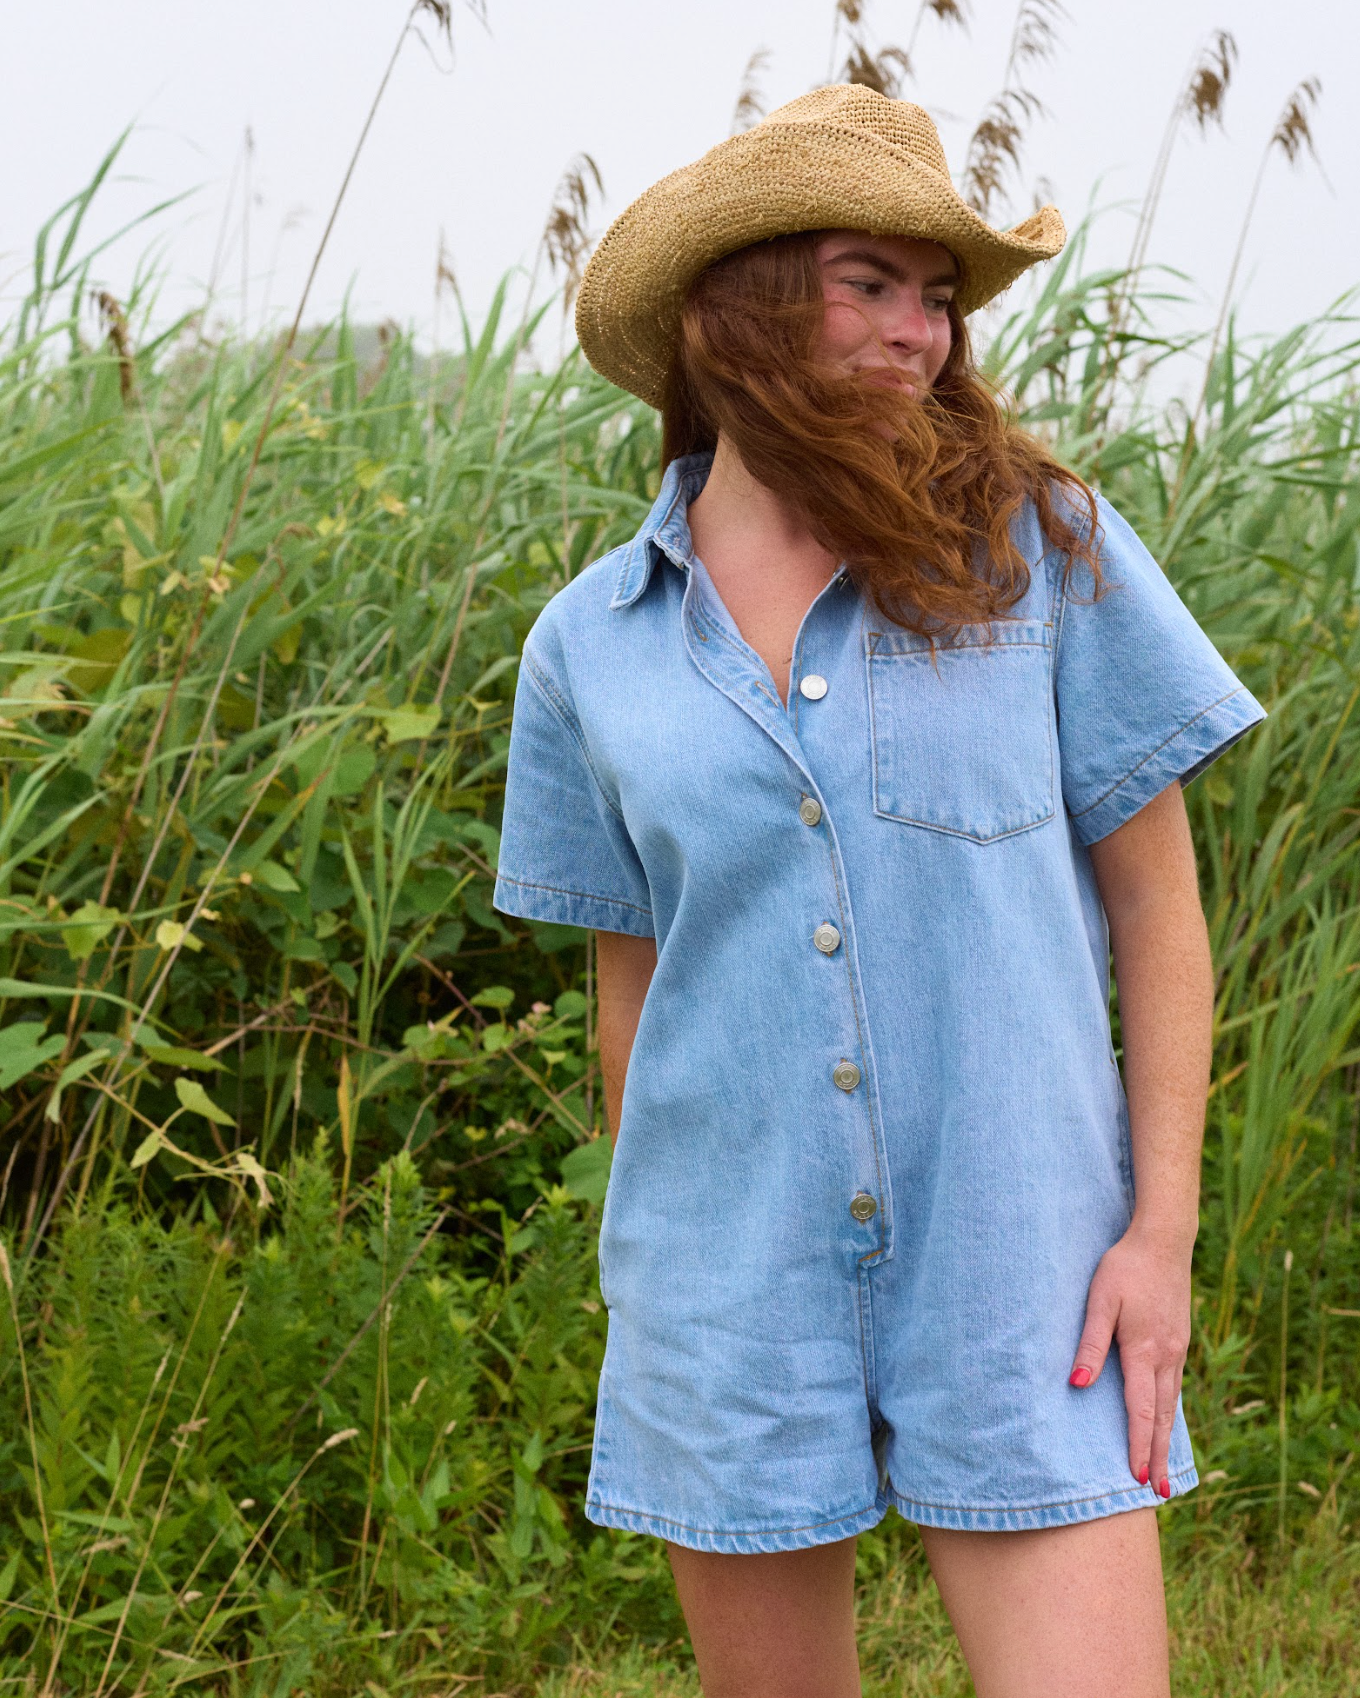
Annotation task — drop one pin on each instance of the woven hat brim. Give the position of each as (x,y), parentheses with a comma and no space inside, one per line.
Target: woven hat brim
(772,181)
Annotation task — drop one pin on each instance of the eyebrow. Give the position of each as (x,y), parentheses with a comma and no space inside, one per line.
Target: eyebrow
(864,256)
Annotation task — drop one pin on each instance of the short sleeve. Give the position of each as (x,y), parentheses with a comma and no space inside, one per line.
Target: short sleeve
(565,854)
(1144,698)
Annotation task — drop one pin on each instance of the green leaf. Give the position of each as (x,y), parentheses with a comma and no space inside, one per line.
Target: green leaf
(494,996)
(353,770)
(7,1574)
(23,1050)
(90,925)
(275,877)
(171,1055)
(146,1149)
(571,1005)
(585,1170)
(405,724)
(72,1071)
(193,1097)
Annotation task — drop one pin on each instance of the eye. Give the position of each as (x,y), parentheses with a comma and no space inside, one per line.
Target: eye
(939,303)
(870,287)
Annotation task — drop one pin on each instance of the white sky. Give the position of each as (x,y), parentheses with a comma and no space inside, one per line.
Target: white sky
(476,149)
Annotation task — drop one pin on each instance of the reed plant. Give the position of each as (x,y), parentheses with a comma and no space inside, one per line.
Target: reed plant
(302,1140)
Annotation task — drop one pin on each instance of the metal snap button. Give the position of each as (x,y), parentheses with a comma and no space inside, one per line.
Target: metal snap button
(827,939)
(813,687)
(863,1206)
(845,1074)
(810,810)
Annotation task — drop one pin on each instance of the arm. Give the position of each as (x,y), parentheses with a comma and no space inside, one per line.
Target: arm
(1145,870)
(624,967)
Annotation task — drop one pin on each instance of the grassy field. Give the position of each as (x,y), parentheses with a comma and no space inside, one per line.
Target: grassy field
(302,1155)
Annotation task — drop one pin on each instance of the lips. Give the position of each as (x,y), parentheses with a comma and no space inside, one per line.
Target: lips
(886,377)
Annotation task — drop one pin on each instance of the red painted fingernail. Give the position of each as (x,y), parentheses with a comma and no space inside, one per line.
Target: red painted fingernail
(1165,1488)
(1079,1377)
(1143,1475)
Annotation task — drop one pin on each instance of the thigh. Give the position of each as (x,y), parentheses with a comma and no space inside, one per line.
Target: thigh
(1059,1612)
(774,1625)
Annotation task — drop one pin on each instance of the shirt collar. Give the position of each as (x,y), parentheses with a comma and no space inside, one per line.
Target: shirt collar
(666,529)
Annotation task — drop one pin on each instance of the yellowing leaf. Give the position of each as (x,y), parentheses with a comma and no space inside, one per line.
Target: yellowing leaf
(284,648)
(193,1097)
(90,925)
(392,504)
(231,433)
(405,724)
(170,935)
(344,1103)
(328,527)
(252,1170)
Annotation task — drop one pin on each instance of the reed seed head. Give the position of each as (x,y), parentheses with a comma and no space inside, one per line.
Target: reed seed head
(885,71)
(750,107)
(995,147)
(566,236)
(1208,86)
(1294,133)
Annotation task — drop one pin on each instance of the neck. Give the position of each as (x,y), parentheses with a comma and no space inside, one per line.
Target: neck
(734,516)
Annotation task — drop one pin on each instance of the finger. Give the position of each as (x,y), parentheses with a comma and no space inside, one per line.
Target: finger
(1140,1399)
(1168,1389)
(1101,1315)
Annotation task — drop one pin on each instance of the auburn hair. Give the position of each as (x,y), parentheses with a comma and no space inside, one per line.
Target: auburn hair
(916,496)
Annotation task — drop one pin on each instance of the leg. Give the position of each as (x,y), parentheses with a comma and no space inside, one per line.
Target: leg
(1060,1612)
(780,1625)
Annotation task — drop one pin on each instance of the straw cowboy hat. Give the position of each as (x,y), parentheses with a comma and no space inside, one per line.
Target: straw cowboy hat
(842,157)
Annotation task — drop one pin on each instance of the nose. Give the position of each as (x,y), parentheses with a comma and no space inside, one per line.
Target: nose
(910,328)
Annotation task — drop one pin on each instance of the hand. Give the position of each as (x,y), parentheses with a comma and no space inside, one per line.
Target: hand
(1140,1294)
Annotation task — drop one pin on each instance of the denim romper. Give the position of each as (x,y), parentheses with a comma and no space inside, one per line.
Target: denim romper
(874,1140)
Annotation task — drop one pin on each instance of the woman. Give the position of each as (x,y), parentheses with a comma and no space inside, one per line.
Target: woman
(858,758)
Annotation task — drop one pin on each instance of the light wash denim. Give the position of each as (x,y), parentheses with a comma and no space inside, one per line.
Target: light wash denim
(785,1360)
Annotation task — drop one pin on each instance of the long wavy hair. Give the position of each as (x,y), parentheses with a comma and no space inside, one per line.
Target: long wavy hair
(917,496)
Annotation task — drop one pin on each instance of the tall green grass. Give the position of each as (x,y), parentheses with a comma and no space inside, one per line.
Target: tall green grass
(301,1138)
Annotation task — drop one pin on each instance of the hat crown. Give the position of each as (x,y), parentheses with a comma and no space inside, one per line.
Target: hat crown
(897,122)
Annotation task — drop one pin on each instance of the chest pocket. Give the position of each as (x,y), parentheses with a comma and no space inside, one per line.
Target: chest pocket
(963,740)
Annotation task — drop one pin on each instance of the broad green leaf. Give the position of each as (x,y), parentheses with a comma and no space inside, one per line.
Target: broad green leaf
(146,1149)
(69,1074)
(275,877)
(23,1050)
(585,1170)
(406,724)
(193,1097)
(494,996)
(90,925)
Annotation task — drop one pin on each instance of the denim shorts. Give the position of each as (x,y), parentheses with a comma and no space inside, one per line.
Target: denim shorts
(873,1140)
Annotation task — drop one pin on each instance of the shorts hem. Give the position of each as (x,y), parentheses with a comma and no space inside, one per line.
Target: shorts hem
(746,1542)
(1024,1517)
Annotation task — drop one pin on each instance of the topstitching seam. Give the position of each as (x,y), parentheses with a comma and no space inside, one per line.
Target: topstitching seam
(1152,754)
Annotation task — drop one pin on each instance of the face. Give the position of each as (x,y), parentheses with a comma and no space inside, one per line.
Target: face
(887,301)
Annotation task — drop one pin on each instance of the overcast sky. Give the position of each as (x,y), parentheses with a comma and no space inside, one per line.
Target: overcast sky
(475,146)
